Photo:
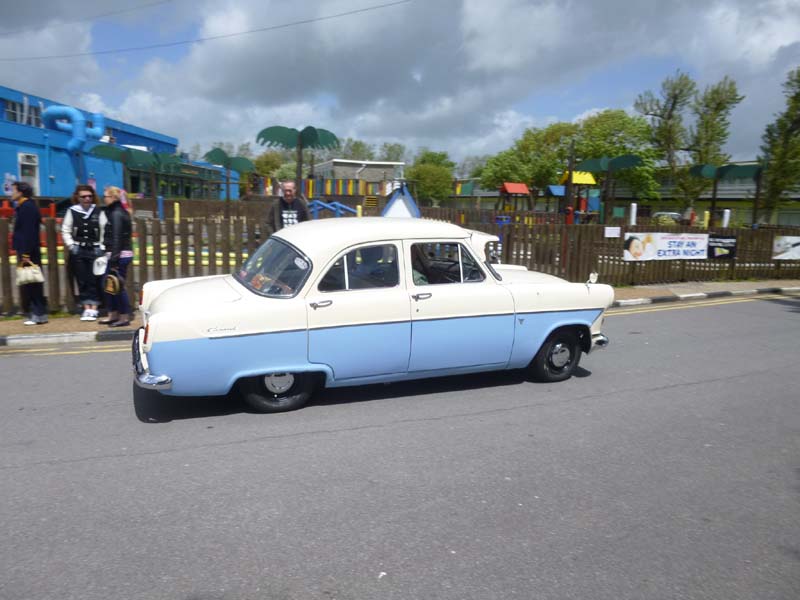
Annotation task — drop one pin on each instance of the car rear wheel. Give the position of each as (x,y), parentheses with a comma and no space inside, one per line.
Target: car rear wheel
(558,357)
(277,392)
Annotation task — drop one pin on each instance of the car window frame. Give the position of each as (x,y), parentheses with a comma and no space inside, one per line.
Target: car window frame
(462,245)
(343,256)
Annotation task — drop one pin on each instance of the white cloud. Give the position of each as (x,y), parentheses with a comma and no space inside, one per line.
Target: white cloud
(450,74)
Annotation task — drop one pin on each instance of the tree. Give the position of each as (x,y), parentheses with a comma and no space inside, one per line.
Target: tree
(613,133)
(245,150)
(353,149)
(392,152)
(504,166)
(267,163)
(440,159)
(195,152)
(545,153)
(472,166)
(285,137)
(702,144)
(666,116)
(433,182)
(226,147)
(781,147)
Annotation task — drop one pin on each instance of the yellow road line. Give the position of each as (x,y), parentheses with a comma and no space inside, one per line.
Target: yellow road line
(644,308)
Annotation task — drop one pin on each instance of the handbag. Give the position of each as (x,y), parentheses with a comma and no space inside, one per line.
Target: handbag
(114,283)
(29,274)
(99,265)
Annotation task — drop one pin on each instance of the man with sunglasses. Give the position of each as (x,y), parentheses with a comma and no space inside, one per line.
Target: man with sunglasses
(82,231)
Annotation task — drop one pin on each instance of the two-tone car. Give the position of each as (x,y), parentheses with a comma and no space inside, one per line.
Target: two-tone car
(354,301)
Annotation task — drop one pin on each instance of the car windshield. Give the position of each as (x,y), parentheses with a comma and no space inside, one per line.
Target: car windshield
(276,269)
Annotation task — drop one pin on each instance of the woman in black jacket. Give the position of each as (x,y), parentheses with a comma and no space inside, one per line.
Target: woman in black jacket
(27,223)
(117,240)
(82,231)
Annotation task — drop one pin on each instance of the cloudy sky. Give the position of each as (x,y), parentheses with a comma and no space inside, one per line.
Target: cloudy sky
(466,76)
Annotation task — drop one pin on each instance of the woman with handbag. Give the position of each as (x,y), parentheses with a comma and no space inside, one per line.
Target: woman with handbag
(117,236)
(82,231)
(27,223)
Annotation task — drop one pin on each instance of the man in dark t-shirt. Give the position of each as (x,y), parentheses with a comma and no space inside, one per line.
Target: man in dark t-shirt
(287,211)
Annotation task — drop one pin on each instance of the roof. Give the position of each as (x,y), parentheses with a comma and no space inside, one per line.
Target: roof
(514,188)
(368,163)
(579,178)
(555,190)
(322,238)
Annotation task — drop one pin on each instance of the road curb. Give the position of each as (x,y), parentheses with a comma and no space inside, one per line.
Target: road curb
(66,338)
(703,296)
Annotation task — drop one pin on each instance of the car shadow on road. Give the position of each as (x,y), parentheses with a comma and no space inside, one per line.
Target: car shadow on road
(153,407)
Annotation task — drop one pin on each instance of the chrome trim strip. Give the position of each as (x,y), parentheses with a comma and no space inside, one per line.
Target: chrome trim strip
(599,341)
(142,376)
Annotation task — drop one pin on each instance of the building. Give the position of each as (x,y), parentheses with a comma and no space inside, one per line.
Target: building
(371,171)
(53,157)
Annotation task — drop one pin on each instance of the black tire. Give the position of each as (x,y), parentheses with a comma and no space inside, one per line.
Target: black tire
(558,357)
(259,397)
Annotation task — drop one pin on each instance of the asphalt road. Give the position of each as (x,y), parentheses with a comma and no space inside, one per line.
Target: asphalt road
(669,468)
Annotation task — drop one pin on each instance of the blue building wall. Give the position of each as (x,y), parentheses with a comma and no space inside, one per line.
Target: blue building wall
(30,152)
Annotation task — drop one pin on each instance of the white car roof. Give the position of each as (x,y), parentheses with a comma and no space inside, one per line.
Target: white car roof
(322,238)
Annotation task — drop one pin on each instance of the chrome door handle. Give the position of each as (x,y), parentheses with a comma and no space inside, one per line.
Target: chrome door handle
(419,297)
(323,304)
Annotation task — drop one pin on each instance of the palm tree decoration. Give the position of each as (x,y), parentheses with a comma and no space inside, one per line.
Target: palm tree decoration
(291,139)
(240,164)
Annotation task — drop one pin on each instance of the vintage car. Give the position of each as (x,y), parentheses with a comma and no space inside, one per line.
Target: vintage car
(351,301)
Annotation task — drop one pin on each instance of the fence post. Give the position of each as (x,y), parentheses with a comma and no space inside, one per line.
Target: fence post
(212,246)
(170,225)
(237,236)
(156,225)
(5,268)
(183,229)
(53,293)
(141,229)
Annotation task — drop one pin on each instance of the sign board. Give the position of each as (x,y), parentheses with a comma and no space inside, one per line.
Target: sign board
(612,232)
(786,247)
(722,247)
(665,246)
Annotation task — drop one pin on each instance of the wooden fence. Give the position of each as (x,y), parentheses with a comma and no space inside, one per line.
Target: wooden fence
(209,245)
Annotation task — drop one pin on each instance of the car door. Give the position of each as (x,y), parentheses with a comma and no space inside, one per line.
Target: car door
(460,316)
(359,314)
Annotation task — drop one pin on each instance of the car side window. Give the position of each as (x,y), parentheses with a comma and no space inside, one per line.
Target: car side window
(363,268)
(443,262)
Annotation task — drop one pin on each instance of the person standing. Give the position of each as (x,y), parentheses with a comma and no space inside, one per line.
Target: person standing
(117,236)
(289,210)
(82,230)
(25,241)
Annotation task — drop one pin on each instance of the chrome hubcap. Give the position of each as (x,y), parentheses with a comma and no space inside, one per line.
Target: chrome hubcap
(278,383)
(560,356)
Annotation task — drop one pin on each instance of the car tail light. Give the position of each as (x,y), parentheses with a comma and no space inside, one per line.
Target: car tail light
(146,333)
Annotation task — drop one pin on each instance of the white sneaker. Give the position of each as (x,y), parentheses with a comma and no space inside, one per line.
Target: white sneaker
(85,315)
(29,322)
(92,316)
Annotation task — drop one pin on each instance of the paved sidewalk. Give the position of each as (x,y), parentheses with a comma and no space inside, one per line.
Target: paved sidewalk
(71,329)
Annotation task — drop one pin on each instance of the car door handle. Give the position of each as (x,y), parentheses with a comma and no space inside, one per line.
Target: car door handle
(424,296)
(323,304)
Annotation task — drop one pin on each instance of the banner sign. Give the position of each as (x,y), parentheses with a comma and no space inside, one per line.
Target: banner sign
(786,247)
(665,246)
(722,247)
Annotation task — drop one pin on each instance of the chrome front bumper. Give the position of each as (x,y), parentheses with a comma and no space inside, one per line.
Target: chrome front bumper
(141,372)
(599,341)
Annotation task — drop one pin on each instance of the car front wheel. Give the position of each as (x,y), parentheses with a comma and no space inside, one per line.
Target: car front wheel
(558,357)
(277,392)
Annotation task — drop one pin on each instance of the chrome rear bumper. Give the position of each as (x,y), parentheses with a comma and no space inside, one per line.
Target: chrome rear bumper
(141,372)
(599,341)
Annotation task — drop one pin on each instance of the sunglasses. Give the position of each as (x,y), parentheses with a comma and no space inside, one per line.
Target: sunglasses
(86,196)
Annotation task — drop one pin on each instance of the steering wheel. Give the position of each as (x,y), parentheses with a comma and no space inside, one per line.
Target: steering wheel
(279,288)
